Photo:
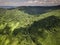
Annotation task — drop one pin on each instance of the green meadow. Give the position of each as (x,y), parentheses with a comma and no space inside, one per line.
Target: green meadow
(20,26)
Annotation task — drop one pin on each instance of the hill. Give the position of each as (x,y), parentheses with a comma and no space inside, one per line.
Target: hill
(30,26)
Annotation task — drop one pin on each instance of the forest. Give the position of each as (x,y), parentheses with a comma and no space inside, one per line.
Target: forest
(32,25)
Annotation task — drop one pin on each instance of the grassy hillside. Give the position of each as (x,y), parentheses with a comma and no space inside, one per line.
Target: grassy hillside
(20,26)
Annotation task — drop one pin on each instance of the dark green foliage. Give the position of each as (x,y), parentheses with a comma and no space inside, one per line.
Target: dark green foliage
(47,23)
(20,30)
(36,10)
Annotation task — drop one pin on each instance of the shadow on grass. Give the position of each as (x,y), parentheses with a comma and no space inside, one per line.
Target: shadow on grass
(47,23)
